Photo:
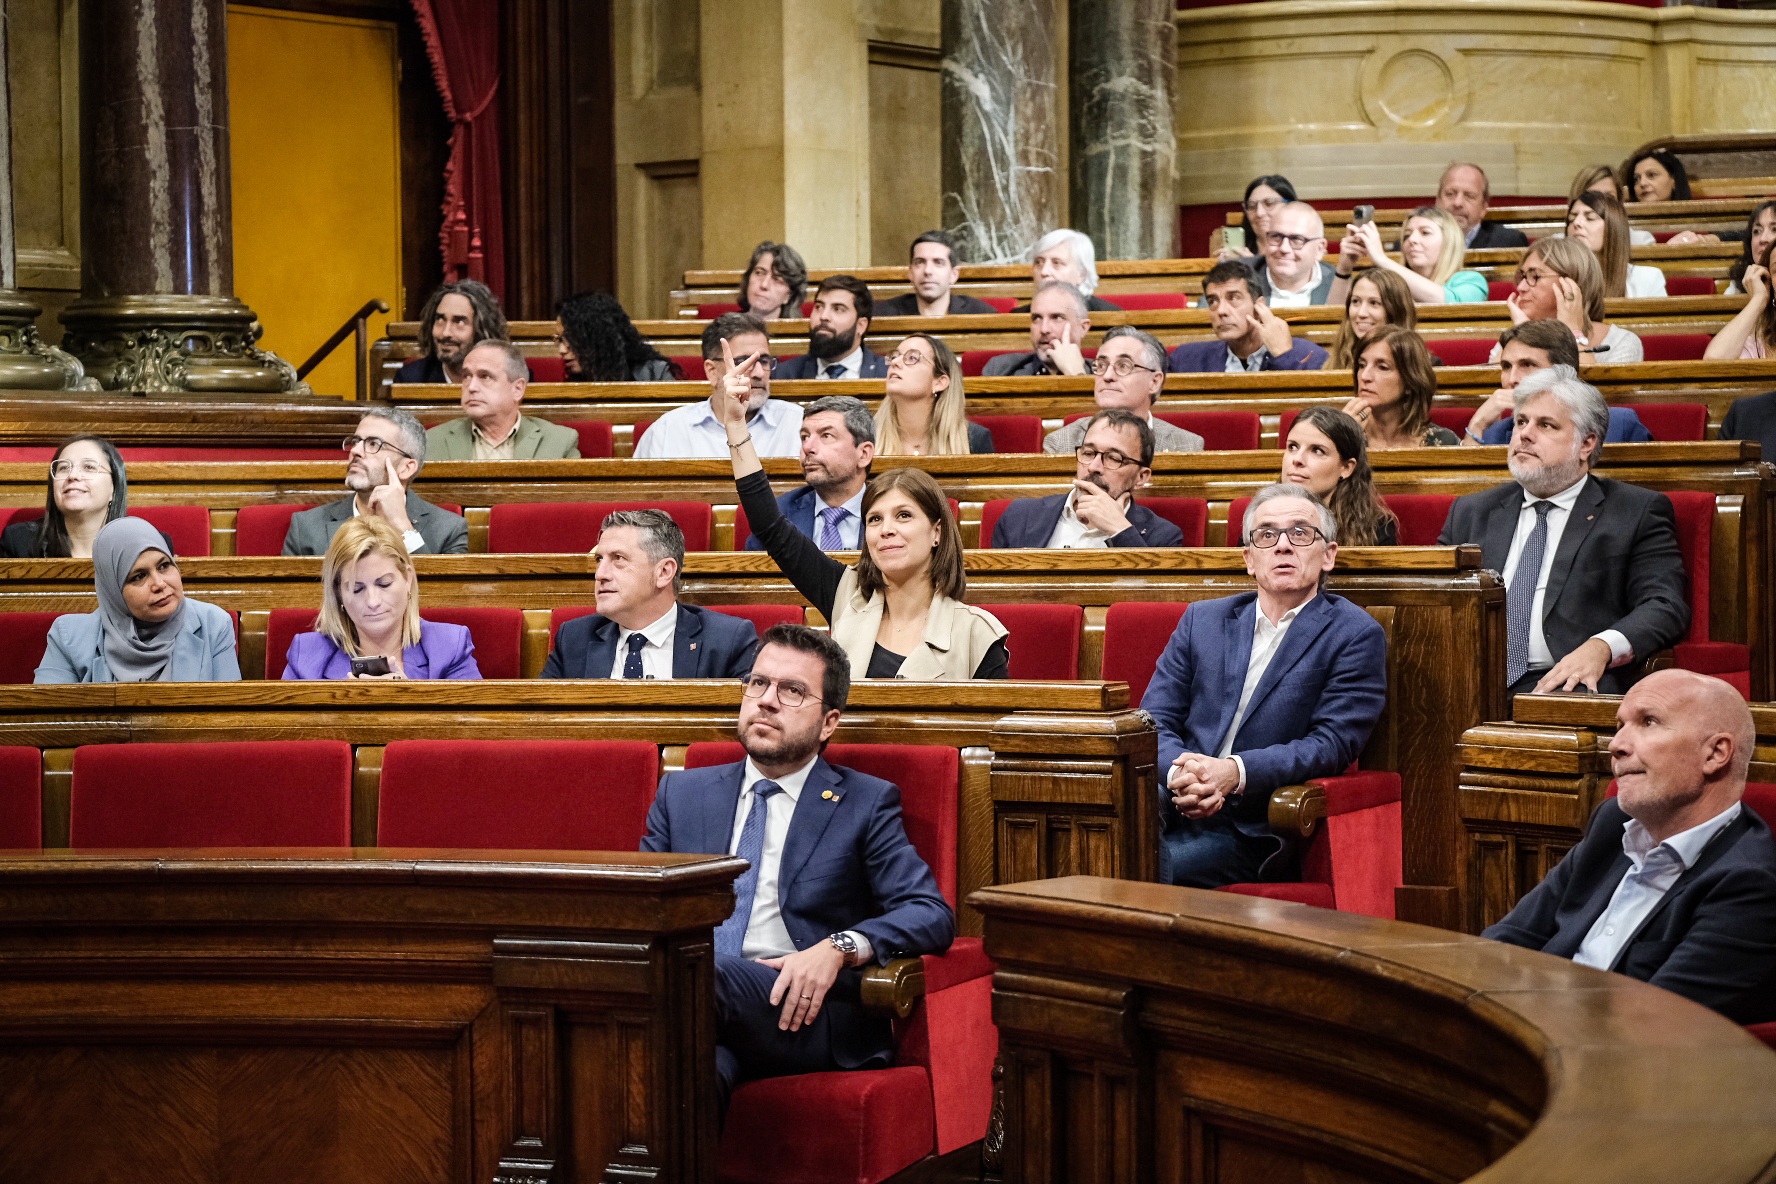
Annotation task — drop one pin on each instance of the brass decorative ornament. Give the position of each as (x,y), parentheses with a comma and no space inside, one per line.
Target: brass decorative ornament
(172,344)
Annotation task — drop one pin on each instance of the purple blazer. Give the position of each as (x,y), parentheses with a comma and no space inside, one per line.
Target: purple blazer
(443,651)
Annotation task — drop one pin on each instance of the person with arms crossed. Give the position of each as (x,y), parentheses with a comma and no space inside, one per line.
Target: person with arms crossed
(1115,460)
(384,455)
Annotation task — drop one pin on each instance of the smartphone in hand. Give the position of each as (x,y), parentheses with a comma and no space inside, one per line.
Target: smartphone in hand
(367,666)
(1362,215)
(1234,238)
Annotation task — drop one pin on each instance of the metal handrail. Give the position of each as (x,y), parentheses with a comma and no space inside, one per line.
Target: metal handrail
(357,325)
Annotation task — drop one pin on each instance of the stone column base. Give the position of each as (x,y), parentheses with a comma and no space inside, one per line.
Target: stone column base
(27,363)
(168,344)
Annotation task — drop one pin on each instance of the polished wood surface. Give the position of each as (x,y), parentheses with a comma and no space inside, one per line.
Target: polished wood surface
(1157,1033)
(359,1015)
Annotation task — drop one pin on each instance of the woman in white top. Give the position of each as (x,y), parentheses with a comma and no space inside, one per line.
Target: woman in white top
(1599,221)
(1559,278)
(1760,232)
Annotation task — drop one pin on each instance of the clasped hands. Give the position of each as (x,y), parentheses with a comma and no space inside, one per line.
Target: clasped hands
(1200,785)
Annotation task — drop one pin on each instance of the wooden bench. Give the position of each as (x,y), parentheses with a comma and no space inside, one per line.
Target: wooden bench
(1537,221)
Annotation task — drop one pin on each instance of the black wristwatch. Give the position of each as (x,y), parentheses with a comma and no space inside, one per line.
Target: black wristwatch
(845,944)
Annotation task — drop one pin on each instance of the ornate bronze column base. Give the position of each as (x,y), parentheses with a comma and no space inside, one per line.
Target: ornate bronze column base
(26,362)
(164,344)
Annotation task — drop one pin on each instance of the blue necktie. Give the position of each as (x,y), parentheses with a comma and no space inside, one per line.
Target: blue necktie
(632,665)
(829,528)
(836,370)
(1520,596)
(731,936)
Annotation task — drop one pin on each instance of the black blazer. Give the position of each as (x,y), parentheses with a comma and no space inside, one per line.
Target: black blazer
(961,305)
(1618,567)
(1029,521)
(707,645)
(1753,418)
(1711,938)
(873,365)
(1497,234)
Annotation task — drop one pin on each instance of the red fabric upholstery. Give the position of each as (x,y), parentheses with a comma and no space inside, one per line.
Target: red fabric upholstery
(1462,351)
(1135,634)
(545,369)
(560,528)
(1222,431)
(1675,347)
(281,627)
(1144,301)
(1764,1032)
(1689,285)
(595,435)
(462,44)
(1001,303)
(1044,639)
(269,793)
(708,312)
(991,511)
(863,1126)
(1314,893)
(974,361)
(1354,861)
(1674,421)
(1236,520)
(260,530)
(135,455)
(1012,433)
(1500,289)
(762,616)
(1188,514)
(186,527)
(1695,541)
(1728,661)
(636,432)
(21,798)
(498,634)
(690,367)
(522,795)
(1421,515)
(1454,418)
(23,638)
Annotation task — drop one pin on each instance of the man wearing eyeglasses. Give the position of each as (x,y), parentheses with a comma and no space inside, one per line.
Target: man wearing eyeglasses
(1128,374)
(832,883)
(1261,690)
(694,431)
(1293,273)
(384,455)
(1248,336)
(1115,460)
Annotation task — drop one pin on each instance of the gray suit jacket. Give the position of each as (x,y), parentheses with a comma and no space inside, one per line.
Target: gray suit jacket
(311,530)
(1166,438)
(538,439)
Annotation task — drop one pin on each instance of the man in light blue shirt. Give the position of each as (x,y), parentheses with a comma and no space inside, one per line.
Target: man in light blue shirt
(694,431)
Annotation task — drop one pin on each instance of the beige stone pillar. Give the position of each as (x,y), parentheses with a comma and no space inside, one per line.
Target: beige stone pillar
(785,130)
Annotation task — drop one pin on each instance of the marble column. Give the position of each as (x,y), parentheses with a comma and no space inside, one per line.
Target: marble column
(157,310)
(1122,69)
(1001,128)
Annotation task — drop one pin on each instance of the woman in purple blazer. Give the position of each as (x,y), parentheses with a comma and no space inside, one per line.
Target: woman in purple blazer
(370,610)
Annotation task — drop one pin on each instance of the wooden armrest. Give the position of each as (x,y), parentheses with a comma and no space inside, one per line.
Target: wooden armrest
(1296,809)
(1659,660)
(895,987)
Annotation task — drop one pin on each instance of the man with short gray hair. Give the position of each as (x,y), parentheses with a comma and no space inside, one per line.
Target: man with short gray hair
(494,379)
(641,629)
(1130,371)
(383,456)
(1060,317)
(838,446)
(1593,575)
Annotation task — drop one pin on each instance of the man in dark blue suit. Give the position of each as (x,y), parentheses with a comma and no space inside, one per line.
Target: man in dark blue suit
(1115,459)
(1258,691)
(1675,881)
(833,883)
(841,316)
(640,629)
(1248,336)
(838,446)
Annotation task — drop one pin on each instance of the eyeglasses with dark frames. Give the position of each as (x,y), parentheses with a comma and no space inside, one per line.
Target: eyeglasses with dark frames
(1266,537)
(373,445)
(790,694)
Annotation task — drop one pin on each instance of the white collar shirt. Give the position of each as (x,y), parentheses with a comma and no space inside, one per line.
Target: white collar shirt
(1540,658)
(1652,869)
(848,367)
(1281,297)
(656,655)
(410,538)
(1072,534)
(1267,639)
(1250,364)
(850,525)
(695,432)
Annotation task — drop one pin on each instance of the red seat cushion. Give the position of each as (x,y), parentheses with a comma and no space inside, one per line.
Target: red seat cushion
(21,798)
(1236,517)
(137,455)
(708,312)
(272,793)
(572,527)
(1673,421)
(1500,289)
(596,439)
(522,795)
(187,528)
(1188,514)
(1012,433)
(260,530)
(1222,431)
(1694,511)
(1689,285)
(1456,419)
(1135,635)
(1044,638)
(974,361)
(498,634)
(1144,301)
(862,1126)
(690,367)
(281,627)
(1462,351)
(23,638)
(1421,515)
(1001,303)
(1675,347)
(547,369)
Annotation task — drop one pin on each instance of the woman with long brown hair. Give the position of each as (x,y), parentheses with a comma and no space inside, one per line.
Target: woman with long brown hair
(1327,454)
(1601,223)
(1396,379)
(1377,297)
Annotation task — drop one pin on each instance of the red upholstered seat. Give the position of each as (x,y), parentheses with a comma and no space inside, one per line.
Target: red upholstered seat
(136,455)
(1421,515)
(269,793)
(1001,303)
(1725,660)
(1222,431)
(569,527)
(1676,347)
(260,530)
(281,627)
(21,798)
(1145,301)
(1352,862)
(186,527)
(595,435)
(1689,285)
(974,361)
(1135,635)
(1500,289)
(1462,351)
(1044,638)
(690,367)
(1012,433)
(1188,514)
(547,369)
(708,312)
(23,638)
(1236,518)
(990,514)
(1454,418)
(1673,421)
(762,616)
(522,795)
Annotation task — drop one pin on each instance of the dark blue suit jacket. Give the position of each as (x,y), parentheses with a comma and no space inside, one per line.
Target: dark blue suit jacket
(1029,521)
(798,506)
(1210,357)
(1310,714)
(874,365)
(1711,938)
(847,864)
(707,645)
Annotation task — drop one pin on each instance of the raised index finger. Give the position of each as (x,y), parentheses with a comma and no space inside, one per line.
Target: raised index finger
(727,353)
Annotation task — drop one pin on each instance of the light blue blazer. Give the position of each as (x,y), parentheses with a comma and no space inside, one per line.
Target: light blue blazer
(203,652)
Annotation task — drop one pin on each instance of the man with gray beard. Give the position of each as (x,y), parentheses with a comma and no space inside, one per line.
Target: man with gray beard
(1593,575)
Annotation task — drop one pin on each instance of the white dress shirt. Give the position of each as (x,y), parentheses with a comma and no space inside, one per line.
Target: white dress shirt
(1281,297)
(1072,534)
(1645,282)
(1251,364)
(1539,656)
(852,363)
(1267,639)
(850,526)
(766,934)
(410,538)
(694,431)
(656,655)
(1652,870)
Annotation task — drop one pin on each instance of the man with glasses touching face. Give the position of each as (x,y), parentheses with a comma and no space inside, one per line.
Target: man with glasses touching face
(1115,460)
(1128,374)
(384,455)
(832,882)
(1257,691)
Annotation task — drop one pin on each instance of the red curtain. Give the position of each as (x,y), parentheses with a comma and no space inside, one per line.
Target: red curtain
(462,39)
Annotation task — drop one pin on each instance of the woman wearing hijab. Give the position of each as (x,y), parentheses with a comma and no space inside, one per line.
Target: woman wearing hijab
(146,630)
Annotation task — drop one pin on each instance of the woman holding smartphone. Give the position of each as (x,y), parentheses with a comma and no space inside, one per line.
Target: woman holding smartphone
(369,624)
(1432,249)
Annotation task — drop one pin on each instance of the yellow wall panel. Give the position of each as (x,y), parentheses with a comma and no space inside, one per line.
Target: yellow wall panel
(314,107)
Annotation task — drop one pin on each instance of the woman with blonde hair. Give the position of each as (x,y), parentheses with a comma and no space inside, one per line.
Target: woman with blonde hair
(1376,298)
(1601,223)
(1432,248)
(1396,380)
(369,624)
(1560,279)
(924,413)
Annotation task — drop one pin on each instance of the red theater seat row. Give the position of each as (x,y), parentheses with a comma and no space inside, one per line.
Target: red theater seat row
(260,530)
(187,528)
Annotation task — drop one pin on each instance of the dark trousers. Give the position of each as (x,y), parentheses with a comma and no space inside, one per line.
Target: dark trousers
(748,1043)
(1527,684)
(1210,852)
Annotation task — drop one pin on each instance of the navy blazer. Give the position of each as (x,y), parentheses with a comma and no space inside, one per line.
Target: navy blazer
(799,506)
(706,645)
(1029,521)
(1711,938)
(847,864)
(1210,357)
(1310,714)
(873,365)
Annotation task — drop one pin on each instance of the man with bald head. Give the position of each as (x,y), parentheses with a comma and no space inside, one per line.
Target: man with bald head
(1290,267)
(1675,881)
(1463,193)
